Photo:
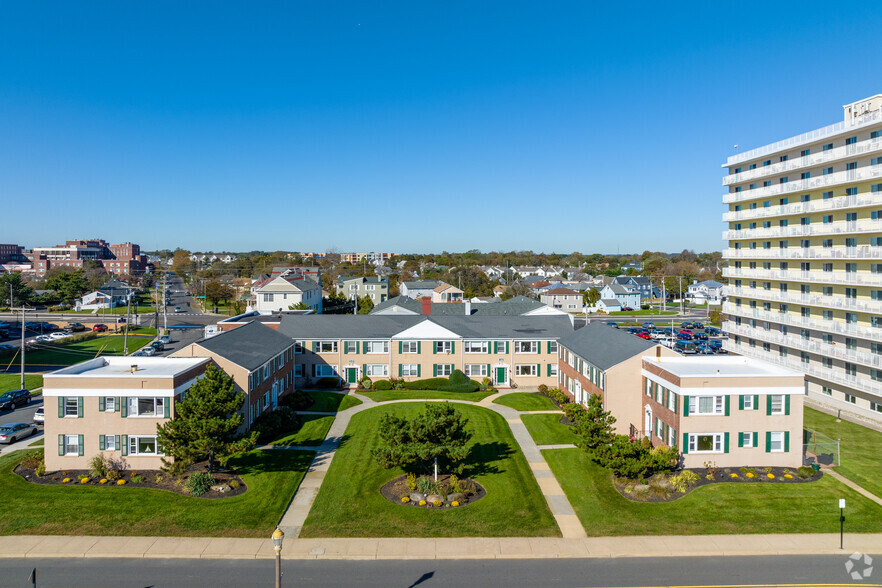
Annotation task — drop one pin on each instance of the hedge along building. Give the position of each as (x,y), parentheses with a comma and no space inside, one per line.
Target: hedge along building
(509,350)
(112,405)
(731,411)
(258,358)
(604,361)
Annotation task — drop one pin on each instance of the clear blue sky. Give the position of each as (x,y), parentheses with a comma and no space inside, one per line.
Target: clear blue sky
(406,126)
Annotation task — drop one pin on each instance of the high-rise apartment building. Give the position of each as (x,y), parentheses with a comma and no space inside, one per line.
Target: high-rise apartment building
(805,258)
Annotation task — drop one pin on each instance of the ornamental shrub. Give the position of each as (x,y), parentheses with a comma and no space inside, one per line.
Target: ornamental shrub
(120,482)
(437,502)
(199,483)
(271,425)
(32,459)
(84,480)
(65,481)
(366,383)
(102,481)
(405,499)
(422,503)
(682,481)
(328,382)
(454,503)
(383,385)
(805,472)
(574,412)
(427,384)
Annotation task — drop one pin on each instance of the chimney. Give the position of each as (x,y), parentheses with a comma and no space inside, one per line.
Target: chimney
(658,352)
(468,308)
(427,305)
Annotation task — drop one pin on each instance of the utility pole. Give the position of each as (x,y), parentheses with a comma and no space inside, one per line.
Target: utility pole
(126,333)
(680,287)
(22,344)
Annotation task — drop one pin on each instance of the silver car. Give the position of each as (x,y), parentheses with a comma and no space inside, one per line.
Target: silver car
(12,432)
(39,416)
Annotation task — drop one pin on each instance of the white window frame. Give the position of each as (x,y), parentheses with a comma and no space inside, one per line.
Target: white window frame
(71,445)
(377,370)
(410,369)
(777,399)
(331,344)
(298,348)
(717,442)
(525,370)
(110,443)
(476,370)
(410,346)
(776,438)
(109,403)
(67,407)
(322,367)
(476,346)
(133,445)
(298,370)
(350,346)
(443,369)
(384,347)
(526,347)
(134,403)
(267,297)
(443,346)
(552,347)
(746,439)
(553,369)
(718,405)
(748,402)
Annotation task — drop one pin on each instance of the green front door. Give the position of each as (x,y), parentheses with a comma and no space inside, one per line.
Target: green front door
(500,375)
(352,375)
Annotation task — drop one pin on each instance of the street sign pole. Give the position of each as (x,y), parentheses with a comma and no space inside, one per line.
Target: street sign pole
(841,520)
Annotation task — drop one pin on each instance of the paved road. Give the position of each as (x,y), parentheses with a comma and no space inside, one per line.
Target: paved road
(700,571)
(23,414)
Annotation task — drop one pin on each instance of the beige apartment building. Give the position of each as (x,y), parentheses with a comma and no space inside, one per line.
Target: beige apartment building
(805,258)
(728,411)
(112,405)
(510,350)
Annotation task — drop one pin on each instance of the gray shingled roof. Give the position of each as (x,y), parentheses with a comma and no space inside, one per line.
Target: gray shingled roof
(403,301)
(249,346)
(422,284)
(604,346)
(513,307)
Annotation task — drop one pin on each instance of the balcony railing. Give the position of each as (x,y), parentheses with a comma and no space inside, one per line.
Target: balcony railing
(863,174)
(866,252)
(861,382)
(795,208)
(820,229)
(795,320)
(798,298)
(868,147)
(814,277)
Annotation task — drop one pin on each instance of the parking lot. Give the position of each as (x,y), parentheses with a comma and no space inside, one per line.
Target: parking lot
(23,414)
(687,338)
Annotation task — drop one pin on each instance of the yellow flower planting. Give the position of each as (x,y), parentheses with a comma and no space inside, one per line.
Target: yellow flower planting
(422,503)
(734,475)
(102,481)
(751,475)
(437,502)
(405,499)
(788,476)
(65,481)
(120,482)
(770,476)
(454,503)
(84,480)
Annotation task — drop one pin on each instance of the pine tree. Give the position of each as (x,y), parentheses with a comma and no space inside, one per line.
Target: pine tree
(205,424)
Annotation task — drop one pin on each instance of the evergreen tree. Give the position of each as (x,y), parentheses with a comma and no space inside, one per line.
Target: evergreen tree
(205,424)
(595,427)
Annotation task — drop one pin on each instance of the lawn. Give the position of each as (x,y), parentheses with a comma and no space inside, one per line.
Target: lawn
(715,509)
(272,477)
(349,503)
(860,448)
(312,432)
(37,443)
(13,382)
(546,429)
(71,353)
(116,310)
(525,401)
(646,313)
(387,395)
(331,401)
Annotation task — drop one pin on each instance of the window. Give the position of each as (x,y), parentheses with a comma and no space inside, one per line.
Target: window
(143,445)
(71,444)
(552,369)
(776,442)
(298,348)
(476,346)
(353,287)
(526,369)
(851,318)
(748,402)
(350,346)
(827,147)
(851,398)
(826,391)
(326,346)
(805,152)
(443,369)
(321,370)
(705,443)
(146,406)
(776,404)
(443,346)
(827,195)
(71,406)
(476,370)
(377,369)
(552,347)
(526,347)
(706,405)
(410,347)
(746,439)
(377,346)
(298,370)
(110,443)
(850,216)
(267,297)
(827,219)
(828,171)
(806,198)
(410,369)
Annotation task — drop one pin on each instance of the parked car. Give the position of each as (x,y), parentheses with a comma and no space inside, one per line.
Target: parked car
(39,416)
(14,398)
(145,351)
(701,336)
(178,309)
(42,338)
(712,331)
(643,335)
(5,347)
(12,432)
(166,339)
(704,350)
(684,336)
(685,347)
(615,325)
(697,326)
(59,335)
(656,334)
(685,325)
(648,325)
(627,308)
(668,331)
(99,328)
(75,327)
(157,345)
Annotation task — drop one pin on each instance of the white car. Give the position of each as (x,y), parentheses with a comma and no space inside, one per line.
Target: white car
(43,338)
(58,335)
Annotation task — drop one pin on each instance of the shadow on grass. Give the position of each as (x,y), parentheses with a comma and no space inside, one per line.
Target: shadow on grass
(272,460)
(484,456)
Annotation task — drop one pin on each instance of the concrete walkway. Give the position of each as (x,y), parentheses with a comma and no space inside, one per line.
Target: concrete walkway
(23,547)
(834,474)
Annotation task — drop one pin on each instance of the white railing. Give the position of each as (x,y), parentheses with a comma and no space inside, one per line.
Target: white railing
(831,302)
(819,277)
(836,203)
(834,228)
(806,138)
(866,173)
(865,252)
(815,370)
(795,320)
(867,147)
(795,341)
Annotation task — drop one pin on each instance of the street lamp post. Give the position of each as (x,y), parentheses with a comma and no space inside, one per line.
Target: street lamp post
(278,535)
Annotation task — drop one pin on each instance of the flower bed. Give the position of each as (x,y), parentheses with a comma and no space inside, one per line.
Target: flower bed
(225,483)
(401,491)
(668,487)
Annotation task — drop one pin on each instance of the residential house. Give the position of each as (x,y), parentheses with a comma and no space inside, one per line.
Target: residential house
(641,284)
(517,306)
(419,289)
(636,266)
(113,293)
(608,305)
(706,291)
(498,291)
(444,292)
(279,292)
(562,298)
(112,405)
(506,349)
(374,288)
(258,358)
(730,411)
(627,297)
(601,360)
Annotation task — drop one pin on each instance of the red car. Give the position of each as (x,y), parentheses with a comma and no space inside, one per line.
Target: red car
(99,328)
(686,332)
(643,335)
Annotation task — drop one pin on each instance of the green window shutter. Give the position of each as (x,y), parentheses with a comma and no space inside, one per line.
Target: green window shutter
(538,373)
(80,448)
(755,439)
(547,346)
(400,347)
(685,443)
(453,347)
(116,441)
(787,404)
(419,370)
(117,404)
(61,445)
(100,442)
(315,346)
(740,439)
(506,346)
(768,404)
(786,441)
(434,370)
(400,369)
(101,403)
(124,409)
(60,405)
(167,407)
(79,407)
(768,441)
(434,347)
(363,370)
(489,373)
(756,402)
(676,403)
(364,346)
(685,406)
(548,370)
(727,407)
(125,445)
(740,405)
(496,347)
(725,442)
(419,346)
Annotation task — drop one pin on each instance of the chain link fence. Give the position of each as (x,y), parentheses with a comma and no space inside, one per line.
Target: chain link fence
(819,448)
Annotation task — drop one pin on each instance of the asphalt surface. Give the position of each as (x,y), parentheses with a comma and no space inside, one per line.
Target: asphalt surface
(672,571)
(23,414)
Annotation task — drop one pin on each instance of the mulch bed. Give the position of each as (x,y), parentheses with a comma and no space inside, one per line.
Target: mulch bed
(395,488)
(148,480)
(721,476)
